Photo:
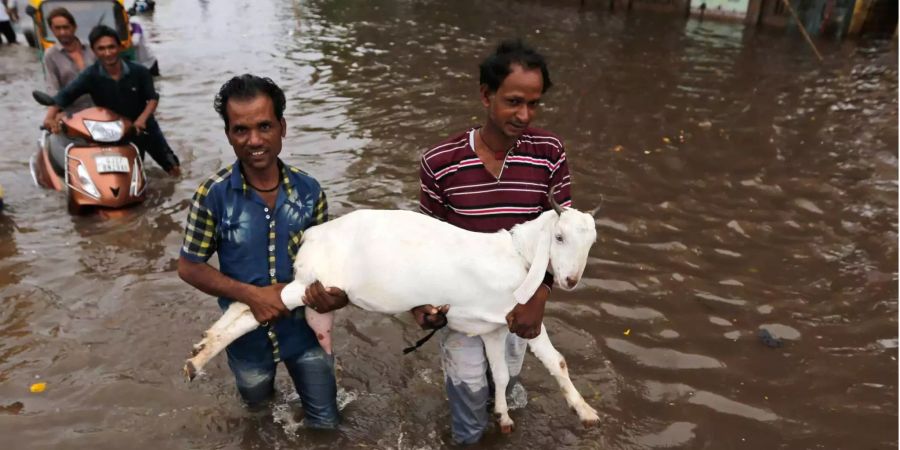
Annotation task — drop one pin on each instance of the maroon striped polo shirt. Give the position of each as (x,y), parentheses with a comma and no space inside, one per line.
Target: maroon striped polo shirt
(457,188)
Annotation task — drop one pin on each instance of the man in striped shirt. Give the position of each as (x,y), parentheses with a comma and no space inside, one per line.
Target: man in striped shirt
(491,178)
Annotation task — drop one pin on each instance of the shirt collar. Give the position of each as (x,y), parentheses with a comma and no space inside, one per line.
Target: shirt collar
(237,179)
(125,69)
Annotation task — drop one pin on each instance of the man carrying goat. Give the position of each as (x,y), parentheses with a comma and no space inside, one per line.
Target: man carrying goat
(254,213)
(486,179)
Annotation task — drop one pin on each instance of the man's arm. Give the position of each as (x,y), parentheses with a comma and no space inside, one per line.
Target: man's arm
(140,124)
(264,302)
(68,94)
(431,203)
(431,196)
(52,74)
(200,243)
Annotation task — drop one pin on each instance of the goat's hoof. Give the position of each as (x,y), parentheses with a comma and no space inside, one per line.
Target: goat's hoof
(589,417)
(506,425)
(190,372)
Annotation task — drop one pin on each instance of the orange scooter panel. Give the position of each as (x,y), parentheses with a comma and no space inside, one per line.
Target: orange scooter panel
(110,169)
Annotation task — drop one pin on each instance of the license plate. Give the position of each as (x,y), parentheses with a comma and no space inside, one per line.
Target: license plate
(107,164)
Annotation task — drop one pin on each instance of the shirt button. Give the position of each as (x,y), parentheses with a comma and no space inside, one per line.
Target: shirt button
(266,209)
(268,216)
(271,224)
(272,272)
(271,248)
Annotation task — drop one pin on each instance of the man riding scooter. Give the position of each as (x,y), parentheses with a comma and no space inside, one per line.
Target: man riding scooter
(124,87)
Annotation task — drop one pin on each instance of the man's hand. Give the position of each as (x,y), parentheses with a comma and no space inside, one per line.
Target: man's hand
(525,320)
(140,125)
(51,123)
(323,300)
(266,304)
(175,171)
(428,317)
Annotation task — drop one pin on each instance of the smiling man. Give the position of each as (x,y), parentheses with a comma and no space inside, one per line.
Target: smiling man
(253,214)
(124,87)
(489,178)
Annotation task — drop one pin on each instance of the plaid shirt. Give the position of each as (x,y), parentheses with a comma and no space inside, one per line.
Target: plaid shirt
(256,245)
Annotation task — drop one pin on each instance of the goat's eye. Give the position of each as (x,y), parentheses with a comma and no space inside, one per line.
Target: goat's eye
(559,238)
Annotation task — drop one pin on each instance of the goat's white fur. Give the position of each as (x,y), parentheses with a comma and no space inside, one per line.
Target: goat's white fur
(393,261)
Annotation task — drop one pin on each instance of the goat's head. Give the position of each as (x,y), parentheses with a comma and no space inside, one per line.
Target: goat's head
(573,235)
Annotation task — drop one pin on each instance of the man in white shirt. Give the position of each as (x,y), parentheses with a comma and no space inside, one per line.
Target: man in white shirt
(8,15)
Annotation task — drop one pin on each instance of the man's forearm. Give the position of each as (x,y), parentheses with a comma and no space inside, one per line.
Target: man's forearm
(148,110)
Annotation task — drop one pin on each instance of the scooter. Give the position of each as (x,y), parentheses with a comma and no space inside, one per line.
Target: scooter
(90,160)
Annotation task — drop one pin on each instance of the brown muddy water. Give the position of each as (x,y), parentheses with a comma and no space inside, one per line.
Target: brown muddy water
(744,186)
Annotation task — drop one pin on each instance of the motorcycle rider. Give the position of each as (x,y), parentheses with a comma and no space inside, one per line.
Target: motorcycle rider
(123,87)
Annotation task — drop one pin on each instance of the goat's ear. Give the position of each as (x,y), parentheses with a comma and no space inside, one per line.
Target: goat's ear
(538,267)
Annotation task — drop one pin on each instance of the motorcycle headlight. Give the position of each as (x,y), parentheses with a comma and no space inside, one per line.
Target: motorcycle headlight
(105,131)
(86,182)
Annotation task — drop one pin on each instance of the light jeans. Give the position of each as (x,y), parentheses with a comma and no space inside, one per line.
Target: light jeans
(313,375)
(468,389)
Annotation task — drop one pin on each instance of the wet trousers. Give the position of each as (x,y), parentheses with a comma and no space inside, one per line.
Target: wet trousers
(313,375)
(466,377)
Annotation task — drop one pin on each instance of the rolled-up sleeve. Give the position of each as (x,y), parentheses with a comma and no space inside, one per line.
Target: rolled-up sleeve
(200,233)
(431,200)
(147,86)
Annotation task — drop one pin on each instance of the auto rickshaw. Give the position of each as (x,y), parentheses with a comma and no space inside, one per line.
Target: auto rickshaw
(88,14)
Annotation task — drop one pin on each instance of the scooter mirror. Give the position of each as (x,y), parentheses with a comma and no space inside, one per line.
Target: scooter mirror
(42,98)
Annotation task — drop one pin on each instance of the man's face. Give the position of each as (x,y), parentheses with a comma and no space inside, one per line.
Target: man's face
(107,50)
(63,30)
(515,103)
(254,132)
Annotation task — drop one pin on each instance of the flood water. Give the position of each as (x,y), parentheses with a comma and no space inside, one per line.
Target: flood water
(744,186)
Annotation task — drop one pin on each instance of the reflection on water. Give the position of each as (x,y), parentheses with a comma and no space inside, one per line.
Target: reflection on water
(743,187)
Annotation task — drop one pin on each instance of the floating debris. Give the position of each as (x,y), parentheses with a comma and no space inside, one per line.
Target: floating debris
(769,339)
(37,388)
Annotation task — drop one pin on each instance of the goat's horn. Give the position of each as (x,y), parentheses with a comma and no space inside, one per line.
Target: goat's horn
(597,209)
(553,203)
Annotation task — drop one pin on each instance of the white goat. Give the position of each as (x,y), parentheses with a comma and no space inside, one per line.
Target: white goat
(392,261)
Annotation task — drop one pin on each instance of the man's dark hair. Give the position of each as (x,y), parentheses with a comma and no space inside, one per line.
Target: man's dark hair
(246,87)
(101,31)
(496,67)
(61,12)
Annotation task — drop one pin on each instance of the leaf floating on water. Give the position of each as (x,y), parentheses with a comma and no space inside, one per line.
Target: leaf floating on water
(37,388)
(627,332)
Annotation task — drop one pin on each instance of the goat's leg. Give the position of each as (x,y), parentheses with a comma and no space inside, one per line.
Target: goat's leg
(495,349)
(556,364)
(321,324)
(234,323)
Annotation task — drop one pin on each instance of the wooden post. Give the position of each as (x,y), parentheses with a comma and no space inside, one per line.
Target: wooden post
(788,5)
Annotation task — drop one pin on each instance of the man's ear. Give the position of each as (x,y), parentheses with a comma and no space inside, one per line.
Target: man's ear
(283,127)
(486,94)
